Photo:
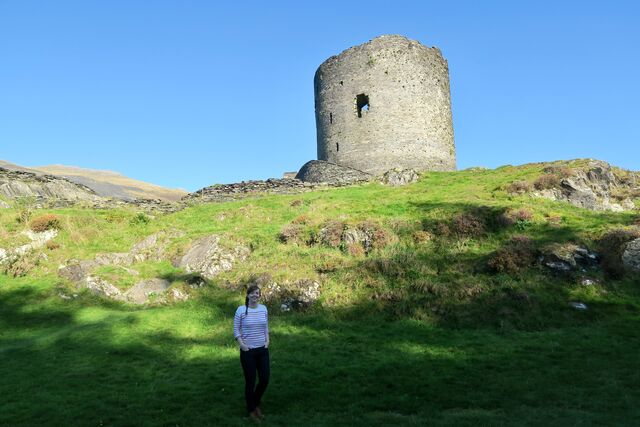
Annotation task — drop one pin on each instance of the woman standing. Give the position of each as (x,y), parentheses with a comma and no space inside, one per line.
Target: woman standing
(251,330)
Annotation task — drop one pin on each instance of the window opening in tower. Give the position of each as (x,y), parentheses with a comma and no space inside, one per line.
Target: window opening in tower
(362,103)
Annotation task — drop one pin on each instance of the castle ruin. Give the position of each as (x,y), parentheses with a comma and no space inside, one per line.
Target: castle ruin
(385,104)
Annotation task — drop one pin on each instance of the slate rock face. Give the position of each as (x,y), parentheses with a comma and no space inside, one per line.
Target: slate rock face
(631,256)
(208,257)
(15,184)
(593,187)
(320,171)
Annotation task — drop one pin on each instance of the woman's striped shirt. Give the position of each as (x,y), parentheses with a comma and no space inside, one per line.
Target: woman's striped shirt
(252,327)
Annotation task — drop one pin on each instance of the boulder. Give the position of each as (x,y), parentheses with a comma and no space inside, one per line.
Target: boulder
(141,291)
(399,176)
(631,256)
(296,295)
(77,271)
(102,288)
(320,171)
(208,257)
(565,257)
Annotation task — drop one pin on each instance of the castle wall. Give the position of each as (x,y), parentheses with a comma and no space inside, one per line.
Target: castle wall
(385,104)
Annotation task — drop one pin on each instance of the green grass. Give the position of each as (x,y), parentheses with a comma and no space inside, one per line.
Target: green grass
(413,334)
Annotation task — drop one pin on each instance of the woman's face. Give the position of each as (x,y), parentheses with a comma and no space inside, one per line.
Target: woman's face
(254,296)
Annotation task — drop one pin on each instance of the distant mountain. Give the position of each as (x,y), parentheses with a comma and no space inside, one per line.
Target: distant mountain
(104,183)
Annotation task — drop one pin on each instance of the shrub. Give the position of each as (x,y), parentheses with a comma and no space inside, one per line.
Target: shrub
(518,187)
(301,219)
(44,223)
(140,219)
(611,246)
(561,172)
(467,224)
(295,203)
(519,217)
(422,236)
(442,229)
(376,236)
(518,254)
(355,250)
(546,181)
(292,233)
(19,266)
(51,245)
(330,233)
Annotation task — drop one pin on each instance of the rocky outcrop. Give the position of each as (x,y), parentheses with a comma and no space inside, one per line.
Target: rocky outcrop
(38,240)
(151,248)
(596,186)
(17,184)
(244,189)
(399,176)
(568,257)
(208,257)
(142,291)
(320,171)
(631,256)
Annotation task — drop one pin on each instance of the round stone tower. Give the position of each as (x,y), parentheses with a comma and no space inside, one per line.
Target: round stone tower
(385,104)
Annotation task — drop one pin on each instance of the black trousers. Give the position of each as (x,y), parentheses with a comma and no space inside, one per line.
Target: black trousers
(252,360)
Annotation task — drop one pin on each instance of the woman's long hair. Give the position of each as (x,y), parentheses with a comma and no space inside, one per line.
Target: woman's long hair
(246,298)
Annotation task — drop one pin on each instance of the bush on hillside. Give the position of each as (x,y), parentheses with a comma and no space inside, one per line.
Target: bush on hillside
(518,254)
(467,224)
(292,233)
(561,172)
(421,237)
(547,181)
(519,187)
(140,219)
(44,223)
(521,217)
(330,233)
(611,246)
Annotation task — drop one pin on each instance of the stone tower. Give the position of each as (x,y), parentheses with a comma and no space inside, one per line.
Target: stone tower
(385,104)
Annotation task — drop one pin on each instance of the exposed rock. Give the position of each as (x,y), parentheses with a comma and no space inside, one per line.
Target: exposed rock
(141,291)
(296,295)
(102,288)
(208,258)
(4,255)
(179,295)
(38,240)
(77,271)
(115,258)
(631,256)
(595,187)
(399,176)
(568,257)
(320,171)
(4,205)
(244,189)
(16,184)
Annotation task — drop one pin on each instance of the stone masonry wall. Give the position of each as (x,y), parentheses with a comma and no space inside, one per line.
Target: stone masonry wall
(385,104)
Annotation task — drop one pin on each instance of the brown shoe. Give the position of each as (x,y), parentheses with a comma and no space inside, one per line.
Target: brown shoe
(259,412)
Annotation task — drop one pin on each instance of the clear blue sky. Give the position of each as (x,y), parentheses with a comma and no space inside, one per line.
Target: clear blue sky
(191,93)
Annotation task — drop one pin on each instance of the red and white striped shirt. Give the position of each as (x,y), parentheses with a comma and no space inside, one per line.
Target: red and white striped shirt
(253,327)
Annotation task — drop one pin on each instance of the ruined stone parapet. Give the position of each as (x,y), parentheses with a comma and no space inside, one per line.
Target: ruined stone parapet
(385,104)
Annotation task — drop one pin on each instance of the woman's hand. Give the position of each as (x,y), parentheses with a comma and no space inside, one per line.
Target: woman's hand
(243,347)
(266,344)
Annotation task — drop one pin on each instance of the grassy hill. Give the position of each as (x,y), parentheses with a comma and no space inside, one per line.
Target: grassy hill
(448,317)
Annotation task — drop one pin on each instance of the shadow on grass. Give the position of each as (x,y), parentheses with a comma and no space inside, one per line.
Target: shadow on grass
(138,367)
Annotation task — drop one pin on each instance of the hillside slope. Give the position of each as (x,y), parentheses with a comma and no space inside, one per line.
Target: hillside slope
(466,298)
(104,183)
